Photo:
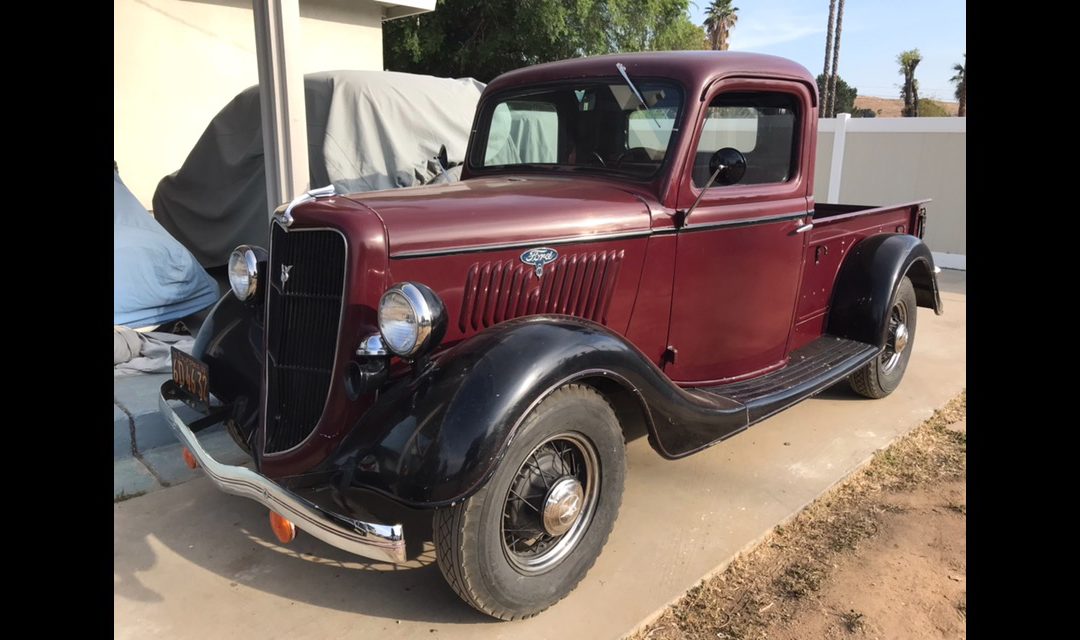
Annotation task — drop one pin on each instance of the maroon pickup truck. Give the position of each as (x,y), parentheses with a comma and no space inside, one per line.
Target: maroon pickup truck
(634,246)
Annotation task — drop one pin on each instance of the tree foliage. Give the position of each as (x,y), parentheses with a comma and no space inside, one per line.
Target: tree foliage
(823,90)
(931,109)
(830,106)
(484,38)
(845,95)
(720,18)
(908,60)
(960,80)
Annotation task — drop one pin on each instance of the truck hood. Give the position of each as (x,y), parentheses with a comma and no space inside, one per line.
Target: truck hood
(506,210)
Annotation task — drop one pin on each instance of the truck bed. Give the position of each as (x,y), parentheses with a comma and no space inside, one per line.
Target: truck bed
(827,212)
(837,227)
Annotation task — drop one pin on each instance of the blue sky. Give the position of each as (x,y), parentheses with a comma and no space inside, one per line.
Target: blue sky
(874,32)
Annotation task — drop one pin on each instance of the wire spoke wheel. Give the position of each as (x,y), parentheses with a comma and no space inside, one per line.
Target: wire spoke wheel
(883,374)
(550,502)
(526,538)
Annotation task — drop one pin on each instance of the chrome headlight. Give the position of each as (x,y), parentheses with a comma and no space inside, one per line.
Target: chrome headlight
(244,270)
(412,319)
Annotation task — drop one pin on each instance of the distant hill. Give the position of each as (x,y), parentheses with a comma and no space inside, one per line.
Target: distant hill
(891,107)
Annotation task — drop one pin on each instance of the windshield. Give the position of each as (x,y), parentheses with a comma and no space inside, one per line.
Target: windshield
(588,126)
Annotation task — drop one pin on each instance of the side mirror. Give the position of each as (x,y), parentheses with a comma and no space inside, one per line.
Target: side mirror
(729,165)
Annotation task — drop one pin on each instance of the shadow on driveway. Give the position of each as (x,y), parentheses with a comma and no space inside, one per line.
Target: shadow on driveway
(230,536)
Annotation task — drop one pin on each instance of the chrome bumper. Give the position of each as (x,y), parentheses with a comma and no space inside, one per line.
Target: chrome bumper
(376,541)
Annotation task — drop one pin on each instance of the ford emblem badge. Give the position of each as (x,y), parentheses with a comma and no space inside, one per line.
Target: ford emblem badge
(539,257)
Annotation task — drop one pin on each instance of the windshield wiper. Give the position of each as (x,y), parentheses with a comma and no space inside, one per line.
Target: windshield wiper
(630,83)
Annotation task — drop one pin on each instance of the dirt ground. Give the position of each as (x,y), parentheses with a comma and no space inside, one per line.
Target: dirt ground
(882,555)
(891,107)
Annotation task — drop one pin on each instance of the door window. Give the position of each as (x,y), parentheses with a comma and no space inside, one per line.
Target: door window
(760,125)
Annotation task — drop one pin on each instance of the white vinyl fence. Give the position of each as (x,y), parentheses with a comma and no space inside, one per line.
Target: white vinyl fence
(878,161)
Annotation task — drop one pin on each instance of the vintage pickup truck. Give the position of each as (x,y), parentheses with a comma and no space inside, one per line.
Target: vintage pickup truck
(634,246)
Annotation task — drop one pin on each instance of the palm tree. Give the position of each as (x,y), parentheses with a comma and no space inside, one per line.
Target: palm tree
(961,86)
(835,59)
(720,18)
(908,60)
(824,99)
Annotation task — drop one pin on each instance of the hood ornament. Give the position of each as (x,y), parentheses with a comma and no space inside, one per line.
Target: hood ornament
(284,217)
(539,257)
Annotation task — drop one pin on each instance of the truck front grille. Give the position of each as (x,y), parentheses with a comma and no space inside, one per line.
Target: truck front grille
(306,284)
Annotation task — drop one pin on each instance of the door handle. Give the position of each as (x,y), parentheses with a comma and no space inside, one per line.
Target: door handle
(804,228)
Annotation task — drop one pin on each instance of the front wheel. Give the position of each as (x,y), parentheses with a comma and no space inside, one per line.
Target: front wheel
(882,375)
(524,541)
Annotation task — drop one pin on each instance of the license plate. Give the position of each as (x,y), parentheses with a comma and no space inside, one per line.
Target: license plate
(191,375)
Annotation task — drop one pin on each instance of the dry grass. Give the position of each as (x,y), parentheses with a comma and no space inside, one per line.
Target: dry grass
(765,585)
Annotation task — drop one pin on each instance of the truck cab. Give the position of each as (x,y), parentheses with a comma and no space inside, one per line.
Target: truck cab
(634,245)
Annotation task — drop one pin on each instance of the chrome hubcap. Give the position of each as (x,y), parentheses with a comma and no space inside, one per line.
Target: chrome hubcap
(900,341)
(562,506)
(897,339)
(550,502)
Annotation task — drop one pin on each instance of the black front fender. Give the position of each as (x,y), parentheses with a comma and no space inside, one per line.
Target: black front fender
(868,279)
(230,343)
(436,437)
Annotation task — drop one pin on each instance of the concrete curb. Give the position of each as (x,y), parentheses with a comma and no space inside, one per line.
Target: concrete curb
(146,454)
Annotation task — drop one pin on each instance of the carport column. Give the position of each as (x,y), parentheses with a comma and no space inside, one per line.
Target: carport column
(836,168)
(281,99)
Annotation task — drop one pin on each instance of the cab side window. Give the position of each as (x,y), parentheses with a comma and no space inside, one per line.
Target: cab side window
(763,126)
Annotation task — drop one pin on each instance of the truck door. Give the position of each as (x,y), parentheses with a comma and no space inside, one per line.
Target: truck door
(740,252)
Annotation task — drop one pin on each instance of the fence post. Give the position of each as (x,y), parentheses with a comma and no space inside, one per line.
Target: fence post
(836,169)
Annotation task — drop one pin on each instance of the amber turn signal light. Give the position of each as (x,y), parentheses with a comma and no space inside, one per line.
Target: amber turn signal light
(284,530)
(189,459)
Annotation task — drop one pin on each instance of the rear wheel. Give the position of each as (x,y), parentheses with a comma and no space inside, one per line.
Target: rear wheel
(524,541)
(882,375)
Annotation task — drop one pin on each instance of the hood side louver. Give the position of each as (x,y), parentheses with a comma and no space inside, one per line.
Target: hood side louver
(576,284)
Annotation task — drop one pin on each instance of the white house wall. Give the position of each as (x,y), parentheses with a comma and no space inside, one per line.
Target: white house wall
(176,63)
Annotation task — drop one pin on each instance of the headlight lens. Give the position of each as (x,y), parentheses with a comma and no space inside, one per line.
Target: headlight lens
(412,319)
(244,271)
(398,323)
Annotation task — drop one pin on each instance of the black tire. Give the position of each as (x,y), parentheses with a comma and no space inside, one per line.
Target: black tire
(882,375)
(481,561)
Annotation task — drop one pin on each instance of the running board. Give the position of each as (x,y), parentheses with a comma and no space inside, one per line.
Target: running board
(810,370)
(694,419)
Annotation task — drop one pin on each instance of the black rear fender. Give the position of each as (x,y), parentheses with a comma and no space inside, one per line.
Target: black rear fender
(868,279)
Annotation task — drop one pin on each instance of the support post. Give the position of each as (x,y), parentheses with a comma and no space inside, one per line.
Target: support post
(281,99)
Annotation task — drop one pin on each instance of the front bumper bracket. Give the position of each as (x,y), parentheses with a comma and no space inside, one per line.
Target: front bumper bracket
(370,540)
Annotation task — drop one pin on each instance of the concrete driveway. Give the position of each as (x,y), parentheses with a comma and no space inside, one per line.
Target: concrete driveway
(191,562)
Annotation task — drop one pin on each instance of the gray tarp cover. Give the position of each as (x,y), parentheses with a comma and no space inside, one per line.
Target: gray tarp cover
(367,130)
